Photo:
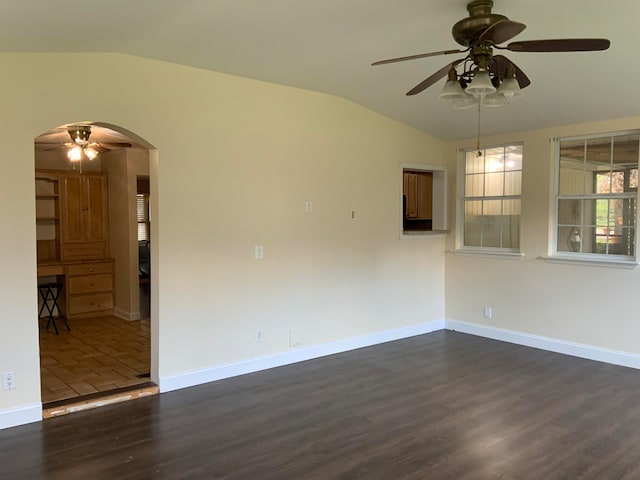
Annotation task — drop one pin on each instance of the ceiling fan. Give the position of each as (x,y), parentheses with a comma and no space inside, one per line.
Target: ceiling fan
(481,33)
(79,135)
(80,147)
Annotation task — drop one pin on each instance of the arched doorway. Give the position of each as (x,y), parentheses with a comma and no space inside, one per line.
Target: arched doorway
(93,248)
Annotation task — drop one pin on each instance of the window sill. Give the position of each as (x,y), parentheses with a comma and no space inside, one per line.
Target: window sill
(424,234)
(487,254)
(590,262)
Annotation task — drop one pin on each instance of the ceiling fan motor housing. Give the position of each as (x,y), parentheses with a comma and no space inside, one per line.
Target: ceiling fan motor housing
(468,30)
(79,133)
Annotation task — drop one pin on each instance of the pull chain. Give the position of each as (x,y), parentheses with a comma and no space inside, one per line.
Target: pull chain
(479,153)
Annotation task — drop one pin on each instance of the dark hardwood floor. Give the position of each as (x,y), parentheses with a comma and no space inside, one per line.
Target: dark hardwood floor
(439,406)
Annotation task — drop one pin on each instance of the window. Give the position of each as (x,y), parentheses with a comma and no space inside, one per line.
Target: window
(596,195)
(142,214)
(423,199)
(491,198)
(142,209)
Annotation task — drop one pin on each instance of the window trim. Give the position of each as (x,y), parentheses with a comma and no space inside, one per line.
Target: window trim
(439,196)
(461,248)
(577,258)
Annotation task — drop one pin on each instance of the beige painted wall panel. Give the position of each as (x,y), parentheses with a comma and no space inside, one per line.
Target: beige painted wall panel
(236,161)
(115,165)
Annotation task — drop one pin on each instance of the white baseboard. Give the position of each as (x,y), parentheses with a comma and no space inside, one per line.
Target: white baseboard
(13,417)
(118,312)
(589,352)
(190,379)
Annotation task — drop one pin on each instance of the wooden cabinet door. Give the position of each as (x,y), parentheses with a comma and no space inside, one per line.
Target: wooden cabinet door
(411,194)
(95,208)
(71,212)
(425,194)
(84,216)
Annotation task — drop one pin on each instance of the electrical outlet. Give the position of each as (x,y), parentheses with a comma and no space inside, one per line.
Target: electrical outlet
(352,215)
(308,206)
(8,381)
(259,335)
(259,252)
(488,312)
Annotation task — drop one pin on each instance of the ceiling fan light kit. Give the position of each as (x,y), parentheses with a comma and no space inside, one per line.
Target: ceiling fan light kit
(482,89)
(81,147)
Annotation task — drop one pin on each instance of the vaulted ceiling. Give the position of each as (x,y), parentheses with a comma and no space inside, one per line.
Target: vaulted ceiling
(328,46)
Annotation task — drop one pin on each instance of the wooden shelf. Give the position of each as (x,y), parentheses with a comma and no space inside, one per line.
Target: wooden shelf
(47,217)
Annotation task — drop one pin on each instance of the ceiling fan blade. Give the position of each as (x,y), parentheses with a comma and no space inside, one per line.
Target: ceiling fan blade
(560,45)
(45,147)
(105,145)
(502,31)
(502,62)
(115,144)
(415,57)
(433,78)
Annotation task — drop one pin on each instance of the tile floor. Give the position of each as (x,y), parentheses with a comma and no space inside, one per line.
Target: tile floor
(98,355)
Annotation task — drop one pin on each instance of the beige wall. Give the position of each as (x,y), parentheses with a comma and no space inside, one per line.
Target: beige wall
(114,163)
(584,304)
(236,161)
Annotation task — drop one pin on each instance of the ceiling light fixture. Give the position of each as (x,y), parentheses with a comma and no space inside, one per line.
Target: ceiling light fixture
(478,84)
(81,147)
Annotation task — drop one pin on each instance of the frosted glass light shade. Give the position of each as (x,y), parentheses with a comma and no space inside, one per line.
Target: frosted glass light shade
(495,100)
(481,85)
(467,102)
(91,153)
(452,91)
(75,153)
(509,88)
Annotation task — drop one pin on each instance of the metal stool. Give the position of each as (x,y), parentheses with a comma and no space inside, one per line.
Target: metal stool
(49,292)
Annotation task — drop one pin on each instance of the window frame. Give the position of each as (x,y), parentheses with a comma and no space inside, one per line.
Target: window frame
(461,248)
(590,258)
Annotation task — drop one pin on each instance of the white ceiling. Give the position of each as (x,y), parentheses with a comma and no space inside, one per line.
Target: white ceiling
(328,46)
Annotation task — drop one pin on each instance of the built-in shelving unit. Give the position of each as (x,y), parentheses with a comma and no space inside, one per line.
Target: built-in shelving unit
(47,217)
(73,239)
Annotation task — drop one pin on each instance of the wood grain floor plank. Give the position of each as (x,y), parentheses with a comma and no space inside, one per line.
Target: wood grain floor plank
(438,406)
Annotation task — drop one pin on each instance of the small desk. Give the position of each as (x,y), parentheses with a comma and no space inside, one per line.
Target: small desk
(88,285)
(50,269)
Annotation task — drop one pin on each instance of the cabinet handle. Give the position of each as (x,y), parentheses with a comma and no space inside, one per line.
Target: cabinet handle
(91,269)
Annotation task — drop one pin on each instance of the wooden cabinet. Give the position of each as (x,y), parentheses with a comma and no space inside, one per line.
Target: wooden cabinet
(418,193)
(72,226)
(90,288)
(84,216)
